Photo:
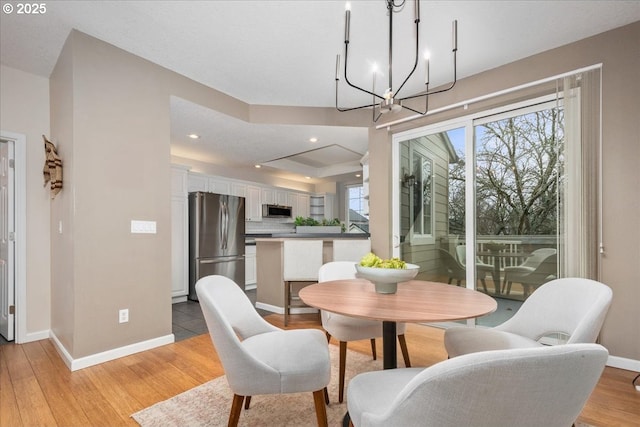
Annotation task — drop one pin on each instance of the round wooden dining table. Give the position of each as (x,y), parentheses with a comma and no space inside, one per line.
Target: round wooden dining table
(415,301)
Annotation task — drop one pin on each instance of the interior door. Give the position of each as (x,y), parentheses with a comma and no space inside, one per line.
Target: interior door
(7,222)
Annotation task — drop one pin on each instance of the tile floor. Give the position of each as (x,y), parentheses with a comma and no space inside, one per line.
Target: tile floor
(188,320)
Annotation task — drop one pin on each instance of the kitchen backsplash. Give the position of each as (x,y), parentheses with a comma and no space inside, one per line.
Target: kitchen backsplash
(269,225)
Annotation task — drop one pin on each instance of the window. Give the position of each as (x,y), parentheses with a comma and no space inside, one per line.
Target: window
(357,212)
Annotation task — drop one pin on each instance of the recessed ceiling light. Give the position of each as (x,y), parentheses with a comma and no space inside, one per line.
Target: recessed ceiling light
(307,177)
(358,175)
(194,136)
(313,139)
(257,166)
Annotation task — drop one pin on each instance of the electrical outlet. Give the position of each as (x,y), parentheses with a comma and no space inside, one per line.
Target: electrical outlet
(123,315)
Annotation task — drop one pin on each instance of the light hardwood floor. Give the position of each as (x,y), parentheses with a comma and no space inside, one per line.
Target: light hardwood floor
(36,388)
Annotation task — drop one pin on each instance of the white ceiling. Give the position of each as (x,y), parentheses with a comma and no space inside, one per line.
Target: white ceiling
(283,53)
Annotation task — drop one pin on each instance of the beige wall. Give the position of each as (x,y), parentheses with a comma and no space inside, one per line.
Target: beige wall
(617,50)
(110,118)
(24,109)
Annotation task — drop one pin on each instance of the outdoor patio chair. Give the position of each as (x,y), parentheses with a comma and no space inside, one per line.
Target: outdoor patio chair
(538,268)
(457,271)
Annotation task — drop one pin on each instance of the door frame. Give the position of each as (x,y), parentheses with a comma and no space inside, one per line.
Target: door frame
(20,249)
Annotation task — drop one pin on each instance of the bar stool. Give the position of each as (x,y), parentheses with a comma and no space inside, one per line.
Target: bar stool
(302,259)
(350,249)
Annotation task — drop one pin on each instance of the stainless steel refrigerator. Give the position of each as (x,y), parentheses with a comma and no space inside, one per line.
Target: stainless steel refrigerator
(216,238)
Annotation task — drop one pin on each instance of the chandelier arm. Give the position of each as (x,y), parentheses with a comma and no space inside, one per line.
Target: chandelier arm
(427,93)
(346,77)
(342,110)
(415,65)
(426,103)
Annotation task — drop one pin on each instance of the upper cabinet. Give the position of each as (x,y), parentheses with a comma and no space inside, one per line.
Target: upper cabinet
(317,206)
(208,184)
(253,204)
(299,203)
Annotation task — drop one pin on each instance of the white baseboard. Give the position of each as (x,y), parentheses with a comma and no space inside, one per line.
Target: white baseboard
(250,286)
(105,356)
(34,336)
(280,310)
(624,363)
(175,300)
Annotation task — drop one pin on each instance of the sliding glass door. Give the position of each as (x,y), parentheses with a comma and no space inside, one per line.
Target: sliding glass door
(484,189)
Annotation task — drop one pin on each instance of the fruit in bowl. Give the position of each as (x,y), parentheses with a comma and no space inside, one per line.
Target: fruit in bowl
(385,274)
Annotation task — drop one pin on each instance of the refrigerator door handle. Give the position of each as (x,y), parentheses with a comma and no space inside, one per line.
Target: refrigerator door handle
(221,260)
(221,225)
(225,235)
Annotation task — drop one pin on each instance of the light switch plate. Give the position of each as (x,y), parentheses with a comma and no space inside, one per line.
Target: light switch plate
(145,227)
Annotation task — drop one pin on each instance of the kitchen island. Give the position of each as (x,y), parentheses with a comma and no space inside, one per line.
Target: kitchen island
(269,258)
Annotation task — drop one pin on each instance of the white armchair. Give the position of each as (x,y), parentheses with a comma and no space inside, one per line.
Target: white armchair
(257,357)
(532,387)
(573,307)
(345,328)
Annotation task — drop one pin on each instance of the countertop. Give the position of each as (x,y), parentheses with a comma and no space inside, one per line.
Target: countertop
(324,236)
(250,238)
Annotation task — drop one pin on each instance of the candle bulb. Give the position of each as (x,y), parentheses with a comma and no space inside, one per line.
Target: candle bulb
(417,11)
(337,67)
(426,68)
(455,35)
(347,21)
(374,71)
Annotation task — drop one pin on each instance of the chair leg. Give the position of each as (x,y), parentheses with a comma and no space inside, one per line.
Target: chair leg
(247,402)
(287,297)
(484,285)
(373,349)
(326,395)
(328,336)
(343,362)
(321,408)
(508,288)
(236,408)
(405,350)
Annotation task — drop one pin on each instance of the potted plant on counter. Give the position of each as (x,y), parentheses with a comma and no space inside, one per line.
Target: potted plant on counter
(310,225)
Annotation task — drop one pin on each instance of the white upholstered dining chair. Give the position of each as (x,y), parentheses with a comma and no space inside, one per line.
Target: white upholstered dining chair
(257,357)
(346,328)
(572,307)
(350,249)
(530,387)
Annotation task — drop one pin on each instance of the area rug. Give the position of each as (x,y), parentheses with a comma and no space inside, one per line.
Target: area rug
(209,404)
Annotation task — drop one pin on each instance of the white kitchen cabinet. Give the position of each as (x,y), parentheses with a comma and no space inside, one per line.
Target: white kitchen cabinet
(253,203)
(179,234)
(299,203)
(303,205)
(250,270)
(238,189)
(219,186)
(269,196)
(282,198)
(197,183)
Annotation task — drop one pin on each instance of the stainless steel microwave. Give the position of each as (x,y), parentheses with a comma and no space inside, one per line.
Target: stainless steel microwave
(276,211)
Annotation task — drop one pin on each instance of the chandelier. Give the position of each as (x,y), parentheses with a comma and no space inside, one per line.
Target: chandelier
(389,101)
